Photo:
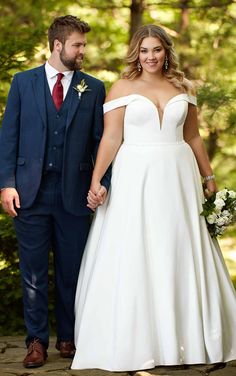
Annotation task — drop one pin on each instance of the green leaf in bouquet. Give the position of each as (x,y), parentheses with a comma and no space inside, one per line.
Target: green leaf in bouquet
(208,206)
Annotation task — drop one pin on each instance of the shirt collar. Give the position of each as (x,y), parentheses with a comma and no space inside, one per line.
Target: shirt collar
(51,72)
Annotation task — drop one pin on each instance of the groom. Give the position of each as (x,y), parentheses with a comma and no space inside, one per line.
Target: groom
(49,139)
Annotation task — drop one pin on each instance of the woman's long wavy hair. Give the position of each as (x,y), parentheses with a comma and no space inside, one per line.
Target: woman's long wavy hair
(173,74)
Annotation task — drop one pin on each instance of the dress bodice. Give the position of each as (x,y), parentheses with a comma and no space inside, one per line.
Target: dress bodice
(142,122)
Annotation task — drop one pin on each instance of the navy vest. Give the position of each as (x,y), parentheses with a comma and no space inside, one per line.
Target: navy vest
(56,127)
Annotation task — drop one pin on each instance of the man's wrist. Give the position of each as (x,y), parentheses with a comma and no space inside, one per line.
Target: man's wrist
(2,189)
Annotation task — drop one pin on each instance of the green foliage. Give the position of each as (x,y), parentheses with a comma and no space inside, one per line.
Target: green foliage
(214,95)
(11,307)
(23,28)
(10,287)
(11,310)
(8,246)
(208,206)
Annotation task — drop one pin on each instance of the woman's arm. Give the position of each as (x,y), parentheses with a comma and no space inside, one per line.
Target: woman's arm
(193,138)
(109,145)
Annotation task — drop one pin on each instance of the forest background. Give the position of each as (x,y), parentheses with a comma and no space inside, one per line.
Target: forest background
(204,35)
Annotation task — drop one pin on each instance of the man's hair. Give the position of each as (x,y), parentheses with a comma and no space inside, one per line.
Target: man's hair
(63,27)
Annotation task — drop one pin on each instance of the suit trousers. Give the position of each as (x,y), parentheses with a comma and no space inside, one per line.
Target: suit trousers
(44,226)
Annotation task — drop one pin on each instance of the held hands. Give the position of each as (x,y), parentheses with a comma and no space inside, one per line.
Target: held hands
(10,201)
(96,195)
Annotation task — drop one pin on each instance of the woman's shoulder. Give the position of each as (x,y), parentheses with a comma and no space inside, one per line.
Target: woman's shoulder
(120,88)
(190,87)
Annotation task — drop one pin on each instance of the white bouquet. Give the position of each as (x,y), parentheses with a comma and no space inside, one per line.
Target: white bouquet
(219,211)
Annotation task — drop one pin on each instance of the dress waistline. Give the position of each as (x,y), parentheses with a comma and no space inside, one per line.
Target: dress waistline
(154,144)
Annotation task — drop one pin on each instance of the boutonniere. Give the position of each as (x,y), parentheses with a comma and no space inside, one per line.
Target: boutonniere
(81,88)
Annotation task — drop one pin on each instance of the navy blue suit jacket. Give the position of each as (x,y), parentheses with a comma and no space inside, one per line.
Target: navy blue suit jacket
(23,138)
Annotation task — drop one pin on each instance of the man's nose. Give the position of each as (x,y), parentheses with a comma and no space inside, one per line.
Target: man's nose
(82,50)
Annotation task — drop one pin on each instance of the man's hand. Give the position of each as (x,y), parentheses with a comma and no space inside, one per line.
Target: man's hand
(96,195)
(10,200)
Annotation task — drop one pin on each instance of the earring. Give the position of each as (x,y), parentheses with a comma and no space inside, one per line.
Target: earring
(166,63)
(139,66)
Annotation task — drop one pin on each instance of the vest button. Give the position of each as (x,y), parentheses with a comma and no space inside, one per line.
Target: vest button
(57,116)
(54,148)
(55,132)
(50,164)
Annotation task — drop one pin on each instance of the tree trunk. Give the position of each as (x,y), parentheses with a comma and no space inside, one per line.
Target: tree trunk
(184,36)
(184,16)
(212,144)
(136,14)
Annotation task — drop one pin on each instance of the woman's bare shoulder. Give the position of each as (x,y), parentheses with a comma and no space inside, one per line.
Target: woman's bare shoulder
(190,87)
(119,89)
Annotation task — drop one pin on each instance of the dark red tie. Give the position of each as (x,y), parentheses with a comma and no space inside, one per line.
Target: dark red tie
(57,92)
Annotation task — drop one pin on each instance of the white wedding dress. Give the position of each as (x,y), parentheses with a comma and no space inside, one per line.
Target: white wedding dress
(153,287)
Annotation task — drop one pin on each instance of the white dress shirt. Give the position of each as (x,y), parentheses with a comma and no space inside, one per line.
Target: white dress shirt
(51,74)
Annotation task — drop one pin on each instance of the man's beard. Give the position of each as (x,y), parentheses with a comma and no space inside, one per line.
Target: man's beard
(70,63)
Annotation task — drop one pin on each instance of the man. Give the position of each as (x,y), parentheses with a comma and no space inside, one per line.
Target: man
(49,139)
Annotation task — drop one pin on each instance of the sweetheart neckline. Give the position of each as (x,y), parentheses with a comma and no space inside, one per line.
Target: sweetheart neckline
(160,120)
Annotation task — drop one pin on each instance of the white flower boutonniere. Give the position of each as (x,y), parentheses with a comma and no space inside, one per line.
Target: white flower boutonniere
(81,88)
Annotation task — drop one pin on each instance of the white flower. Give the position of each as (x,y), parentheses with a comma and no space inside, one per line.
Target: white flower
(221,221)
(219,230)
(81,88)
(221,194)
(219,203)
(226,213)
(211,218)
(232,194)
(228,220)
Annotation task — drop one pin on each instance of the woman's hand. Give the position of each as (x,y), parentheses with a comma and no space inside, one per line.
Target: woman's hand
(210,187)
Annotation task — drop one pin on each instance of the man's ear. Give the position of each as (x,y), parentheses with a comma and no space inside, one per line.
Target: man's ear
(57,46)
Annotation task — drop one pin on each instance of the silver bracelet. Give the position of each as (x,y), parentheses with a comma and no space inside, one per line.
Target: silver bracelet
(209,177)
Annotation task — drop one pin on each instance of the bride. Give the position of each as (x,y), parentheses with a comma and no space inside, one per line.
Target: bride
(153,287)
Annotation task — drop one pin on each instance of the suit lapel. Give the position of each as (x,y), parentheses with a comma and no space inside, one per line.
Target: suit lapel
(74,98)
(39,92)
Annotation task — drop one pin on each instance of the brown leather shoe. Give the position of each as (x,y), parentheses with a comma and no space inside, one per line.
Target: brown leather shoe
(36,355)
(66,348)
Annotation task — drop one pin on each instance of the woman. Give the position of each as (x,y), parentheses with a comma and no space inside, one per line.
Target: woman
(153,288)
